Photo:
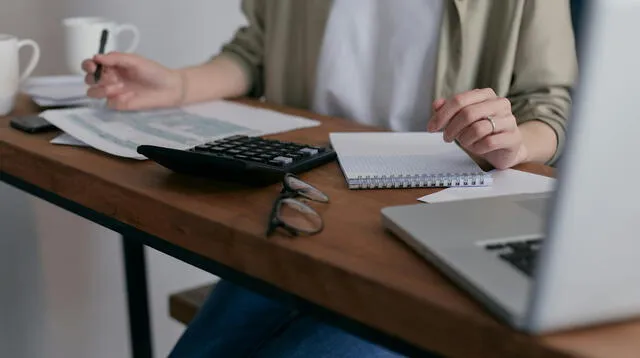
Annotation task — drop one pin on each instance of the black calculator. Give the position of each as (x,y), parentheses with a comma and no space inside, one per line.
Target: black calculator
(242,159)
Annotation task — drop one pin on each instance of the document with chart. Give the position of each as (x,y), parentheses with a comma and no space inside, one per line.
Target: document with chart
(121,132)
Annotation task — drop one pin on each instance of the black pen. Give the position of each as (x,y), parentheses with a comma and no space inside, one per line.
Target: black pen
(103,43)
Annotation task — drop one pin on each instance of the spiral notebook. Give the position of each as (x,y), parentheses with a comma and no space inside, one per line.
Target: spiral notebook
(371,160)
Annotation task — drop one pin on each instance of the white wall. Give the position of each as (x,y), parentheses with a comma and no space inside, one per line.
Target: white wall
(177,33)
(39,20)
(61,277)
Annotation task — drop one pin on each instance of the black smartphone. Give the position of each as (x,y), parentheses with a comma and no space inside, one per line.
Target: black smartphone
(32,124)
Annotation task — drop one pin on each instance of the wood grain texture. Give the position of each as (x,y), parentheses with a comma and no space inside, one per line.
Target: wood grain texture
(353,267)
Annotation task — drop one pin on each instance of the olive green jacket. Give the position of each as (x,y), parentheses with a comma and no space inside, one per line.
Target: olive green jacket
(523,49)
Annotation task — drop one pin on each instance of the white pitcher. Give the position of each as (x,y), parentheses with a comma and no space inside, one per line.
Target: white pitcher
(82,37)
(10,76)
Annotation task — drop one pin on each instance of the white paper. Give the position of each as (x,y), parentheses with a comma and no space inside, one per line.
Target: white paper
(77,102)
(60,92)
(400,154)
(393,144)
(56,88)
(120,133)
(66,139)
(505,182)
(52,80)
(262,121)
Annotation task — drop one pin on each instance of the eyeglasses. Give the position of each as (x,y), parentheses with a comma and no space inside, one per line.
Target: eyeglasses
(293,215)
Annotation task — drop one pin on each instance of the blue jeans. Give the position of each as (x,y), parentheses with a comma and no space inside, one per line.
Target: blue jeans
(235,322)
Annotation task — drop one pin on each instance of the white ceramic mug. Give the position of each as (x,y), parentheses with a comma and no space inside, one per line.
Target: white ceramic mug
(82,36)
(10,76)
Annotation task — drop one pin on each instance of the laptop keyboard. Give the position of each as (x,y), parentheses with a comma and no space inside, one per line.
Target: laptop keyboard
(521,254)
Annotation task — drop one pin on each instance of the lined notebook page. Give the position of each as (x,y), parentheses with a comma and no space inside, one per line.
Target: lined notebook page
(402,155)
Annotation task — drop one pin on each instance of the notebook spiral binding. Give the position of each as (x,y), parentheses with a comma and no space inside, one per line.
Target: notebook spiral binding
(420,181)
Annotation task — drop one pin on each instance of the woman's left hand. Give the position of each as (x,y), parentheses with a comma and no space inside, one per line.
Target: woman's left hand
(482,123)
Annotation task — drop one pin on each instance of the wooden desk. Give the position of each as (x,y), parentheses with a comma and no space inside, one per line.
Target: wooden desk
(354,274)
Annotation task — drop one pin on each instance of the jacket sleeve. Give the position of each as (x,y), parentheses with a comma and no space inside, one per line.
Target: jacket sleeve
(247,46)
(545,67)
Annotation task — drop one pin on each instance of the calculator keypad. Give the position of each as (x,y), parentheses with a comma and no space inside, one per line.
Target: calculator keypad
(259,150)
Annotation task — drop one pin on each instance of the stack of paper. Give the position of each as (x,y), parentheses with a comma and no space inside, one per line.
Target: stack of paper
(57,91)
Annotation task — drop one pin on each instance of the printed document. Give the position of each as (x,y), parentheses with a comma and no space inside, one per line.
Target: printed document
(121,132)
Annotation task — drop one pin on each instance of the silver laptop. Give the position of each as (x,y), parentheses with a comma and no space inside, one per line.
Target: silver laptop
(573,258)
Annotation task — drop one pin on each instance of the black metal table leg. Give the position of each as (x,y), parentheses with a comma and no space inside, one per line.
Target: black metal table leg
(138,304)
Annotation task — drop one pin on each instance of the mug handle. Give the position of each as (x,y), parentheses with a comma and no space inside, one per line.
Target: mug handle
(136,35)
(35,57)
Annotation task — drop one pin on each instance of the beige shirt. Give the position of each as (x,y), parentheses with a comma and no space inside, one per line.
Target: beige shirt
(523,49)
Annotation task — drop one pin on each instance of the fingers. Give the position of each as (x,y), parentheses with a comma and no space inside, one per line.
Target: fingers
(113,59)
(111,86)
(129,100)
(451,107)
(109,76)
(89,66)
(464,118)
(133,101)
(483,128)
(106,90)
(470,114)
(121,102)
(438,103)
(495,142)
(118,59)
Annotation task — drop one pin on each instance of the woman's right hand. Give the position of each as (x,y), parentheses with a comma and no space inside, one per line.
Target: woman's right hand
(132,82)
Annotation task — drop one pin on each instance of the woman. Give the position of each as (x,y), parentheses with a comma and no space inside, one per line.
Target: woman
(495,76)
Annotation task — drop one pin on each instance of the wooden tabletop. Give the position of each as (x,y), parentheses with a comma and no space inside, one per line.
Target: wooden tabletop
(354,267)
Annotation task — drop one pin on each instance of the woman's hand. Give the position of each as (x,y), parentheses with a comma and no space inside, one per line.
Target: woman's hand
(482,123)
(131,82)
